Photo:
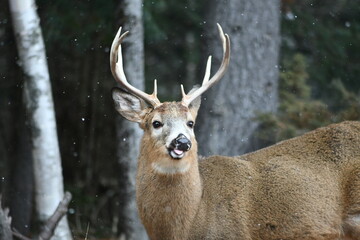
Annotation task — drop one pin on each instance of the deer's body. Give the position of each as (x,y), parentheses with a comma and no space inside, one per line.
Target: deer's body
(305,188)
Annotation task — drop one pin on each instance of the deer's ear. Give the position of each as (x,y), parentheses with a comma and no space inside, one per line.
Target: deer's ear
(129,106)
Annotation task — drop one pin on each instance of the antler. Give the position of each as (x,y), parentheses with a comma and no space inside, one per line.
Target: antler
(117,69)
(206,84)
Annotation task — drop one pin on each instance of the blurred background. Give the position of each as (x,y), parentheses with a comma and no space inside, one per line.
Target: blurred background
(295,67)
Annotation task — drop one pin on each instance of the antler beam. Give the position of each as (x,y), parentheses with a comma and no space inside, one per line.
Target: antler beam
(206,84)
(117,69)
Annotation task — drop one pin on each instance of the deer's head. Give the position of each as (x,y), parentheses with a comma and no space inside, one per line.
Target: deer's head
(169,126)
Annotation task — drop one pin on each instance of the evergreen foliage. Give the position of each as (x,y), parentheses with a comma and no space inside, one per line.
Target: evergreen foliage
(328,34)
(320,64)
(299,111)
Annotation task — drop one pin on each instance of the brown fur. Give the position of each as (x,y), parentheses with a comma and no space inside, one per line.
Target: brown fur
(304,188)
(171,209)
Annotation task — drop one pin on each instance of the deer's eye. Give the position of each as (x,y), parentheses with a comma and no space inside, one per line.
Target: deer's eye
(157,124)
(190,124)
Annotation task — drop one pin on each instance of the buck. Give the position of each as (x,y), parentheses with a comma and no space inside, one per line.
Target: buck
(307,187)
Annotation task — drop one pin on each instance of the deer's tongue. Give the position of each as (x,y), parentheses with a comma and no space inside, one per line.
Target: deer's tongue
(178,152)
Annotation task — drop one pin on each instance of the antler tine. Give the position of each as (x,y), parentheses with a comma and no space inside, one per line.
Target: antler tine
(207,83)
(117,70)
(207,71)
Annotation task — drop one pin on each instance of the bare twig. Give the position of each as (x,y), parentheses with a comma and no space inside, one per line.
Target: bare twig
(87,231)
(16,234)
(5,222)
(52,222)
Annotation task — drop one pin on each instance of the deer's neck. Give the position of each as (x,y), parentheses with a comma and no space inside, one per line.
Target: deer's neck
(167,204)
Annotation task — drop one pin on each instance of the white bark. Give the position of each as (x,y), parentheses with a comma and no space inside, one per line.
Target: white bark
(128,133)
(49,189)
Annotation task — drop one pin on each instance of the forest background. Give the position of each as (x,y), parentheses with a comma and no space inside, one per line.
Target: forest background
(318,84)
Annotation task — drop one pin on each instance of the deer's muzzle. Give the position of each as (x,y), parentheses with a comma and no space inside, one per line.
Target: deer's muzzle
(179,146)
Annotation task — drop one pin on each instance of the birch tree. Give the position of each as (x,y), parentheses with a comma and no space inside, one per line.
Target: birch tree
(5,222)
(227,122)
(49,189)
(128,133)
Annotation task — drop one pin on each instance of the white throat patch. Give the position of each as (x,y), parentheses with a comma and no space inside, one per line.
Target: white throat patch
(171,166)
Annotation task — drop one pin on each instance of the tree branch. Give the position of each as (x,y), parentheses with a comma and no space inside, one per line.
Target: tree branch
(50,225)
(52,222)
(5,221)
(19,235)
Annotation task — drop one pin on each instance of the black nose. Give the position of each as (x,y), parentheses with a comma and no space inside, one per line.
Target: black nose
(182,143)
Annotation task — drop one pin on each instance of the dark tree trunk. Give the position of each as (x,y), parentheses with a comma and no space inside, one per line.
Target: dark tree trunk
(227,121)
(128,133)
(16,175)
(21,181)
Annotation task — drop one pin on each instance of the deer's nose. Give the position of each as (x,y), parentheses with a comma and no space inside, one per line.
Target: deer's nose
(181,142)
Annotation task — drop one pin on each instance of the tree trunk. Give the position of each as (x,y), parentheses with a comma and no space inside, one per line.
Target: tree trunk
(49,189)
(128,133)
(21,188)
(227,121)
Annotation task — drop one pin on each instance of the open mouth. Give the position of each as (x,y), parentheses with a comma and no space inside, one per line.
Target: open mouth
(176,153)
(179,146)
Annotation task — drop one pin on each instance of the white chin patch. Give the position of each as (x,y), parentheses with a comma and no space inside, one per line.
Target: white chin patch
(176,153)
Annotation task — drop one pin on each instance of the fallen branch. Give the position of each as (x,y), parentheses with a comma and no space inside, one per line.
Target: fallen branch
(5,222)
(50,225)
(15,233)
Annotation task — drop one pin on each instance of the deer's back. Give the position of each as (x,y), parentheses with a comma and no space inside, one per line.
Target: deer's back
(301,188)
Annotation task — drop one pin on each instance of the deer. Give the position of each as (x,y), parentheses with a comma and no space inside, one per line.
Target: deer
(304,188)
